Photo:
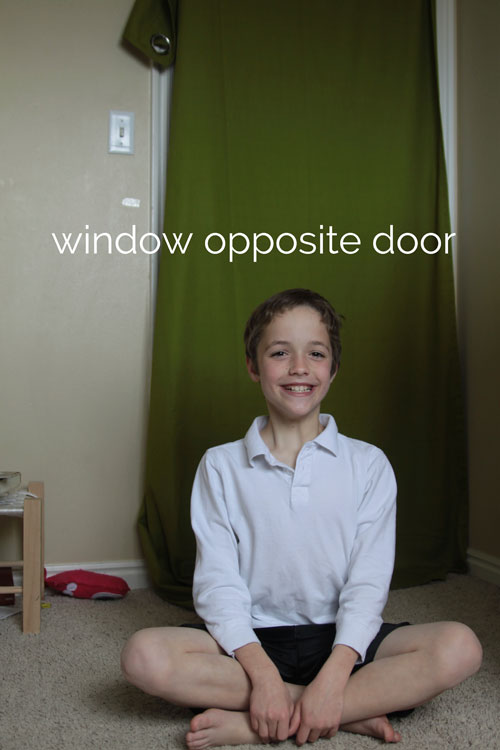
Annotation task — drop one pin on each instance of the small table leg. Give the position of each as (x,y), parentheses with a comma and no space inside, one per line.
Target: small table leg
(32,556)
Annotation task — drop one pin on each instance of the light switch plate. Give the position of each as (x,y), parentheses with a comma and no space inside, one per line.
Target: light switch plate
(121,132)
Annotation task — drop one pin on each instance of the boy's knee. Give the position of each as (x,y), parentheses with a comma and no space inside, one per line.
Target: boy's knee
(459,653)
(472,652)
(135,655)
(142,659)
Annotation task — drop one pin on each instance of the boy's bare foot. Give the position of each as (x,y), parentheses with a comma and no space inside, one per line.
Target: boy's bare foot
(216,727)
(379,726)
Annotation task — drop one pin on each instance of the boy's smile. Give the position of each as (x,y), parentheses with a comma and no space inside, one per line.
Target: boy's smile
(294,360)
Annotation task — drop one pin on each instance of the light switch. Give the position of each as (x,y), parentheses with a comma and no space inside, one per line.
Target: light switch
(121,132)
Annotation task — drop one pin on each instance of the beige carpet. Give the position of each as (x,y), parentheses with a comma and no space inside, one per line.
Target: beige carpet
(62,689)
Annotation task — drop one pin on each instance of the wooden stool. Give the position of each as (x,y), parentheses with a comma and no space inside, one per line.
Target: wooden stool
(31,511)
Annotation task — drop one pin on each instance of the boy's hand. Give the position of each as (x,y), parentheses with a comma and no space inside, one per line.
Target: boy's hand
(271,705)
(271,708)
(318,712)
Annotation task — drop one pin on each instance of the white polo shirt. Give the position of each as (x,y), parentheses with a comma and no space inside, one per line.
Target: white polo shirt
(282,546)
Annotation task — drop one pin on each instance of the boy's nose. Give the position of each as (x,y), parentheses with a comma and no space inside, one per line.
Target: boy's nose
(298,366)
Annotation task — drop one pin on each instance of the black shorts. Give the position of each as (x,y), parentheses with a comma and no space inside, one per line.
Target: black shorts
(299,651)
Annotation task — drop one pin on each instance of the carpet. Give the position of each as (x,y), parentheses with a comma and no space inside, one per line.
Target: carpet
(62,689)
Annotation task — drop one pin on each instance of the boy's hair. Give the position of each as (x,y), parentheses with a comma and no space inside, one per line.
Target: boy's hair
(287,300)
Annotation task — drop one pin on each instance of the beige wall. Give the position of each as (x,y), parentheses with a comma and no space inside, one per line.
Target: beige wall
(74,330)
(479,257)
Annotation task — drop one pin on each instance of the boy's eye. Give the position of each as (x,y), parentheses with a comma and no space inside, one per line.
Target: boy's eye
(280,353)
(318,355)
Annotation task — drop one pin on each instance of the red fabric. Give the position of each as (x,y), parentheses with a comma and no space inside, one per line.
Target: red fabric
(84,584)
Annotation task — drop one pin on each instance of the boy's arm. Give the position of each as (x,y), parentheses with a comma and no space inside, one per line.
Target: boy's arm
(371,563)
(318,712)
(221,596)
(222,599)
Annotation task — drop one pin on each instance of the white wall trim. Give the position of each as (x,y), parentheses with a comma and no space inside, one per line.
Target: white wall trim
(484,566)
(161,94)
(447,73)
(446,34)
(133,571)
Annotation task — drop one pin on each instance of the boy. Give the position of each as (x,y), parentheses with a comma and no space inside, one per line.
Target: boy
(295,548)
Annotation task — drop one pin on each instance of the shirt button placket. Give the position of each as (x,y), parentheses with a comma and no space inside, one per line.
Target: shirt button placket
(301,479)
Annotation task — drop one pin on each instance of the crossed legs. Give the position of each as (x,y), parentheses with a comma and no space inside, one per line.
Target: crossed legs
(186,667)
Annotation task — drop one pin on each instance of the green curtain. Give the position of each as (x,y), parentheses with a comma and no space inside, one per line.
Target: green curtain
(289,115)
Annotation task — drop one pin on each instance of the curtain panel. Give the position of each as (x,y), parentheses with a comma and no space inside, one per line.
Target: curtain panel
(306,150)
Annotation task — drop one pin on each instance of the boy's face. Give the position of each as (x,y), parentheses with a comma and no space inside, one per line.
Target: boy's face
(294,358)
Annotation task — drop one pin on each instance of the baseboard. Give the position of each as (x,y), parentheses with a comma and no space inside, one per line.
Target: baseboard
(132,571)
(484,566)
(136,574)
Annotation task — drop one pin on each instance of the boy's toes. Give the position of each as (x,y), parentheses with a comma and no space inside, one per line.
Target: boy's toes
(199,722)
(195,742)
(389,734)
(205,728)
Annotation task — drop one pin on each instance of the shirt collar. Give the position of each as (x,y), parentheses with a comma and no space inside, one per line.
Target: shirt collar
(328,439)
(255,446)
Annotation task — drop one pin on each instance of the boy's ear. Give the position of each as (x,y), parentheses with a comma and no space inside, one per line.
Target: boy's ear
(332,378)
(252,371)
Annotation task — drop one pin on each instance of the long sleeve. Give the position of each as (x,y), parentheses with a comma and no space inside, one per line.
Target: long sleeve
(369,573)
(220,595)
